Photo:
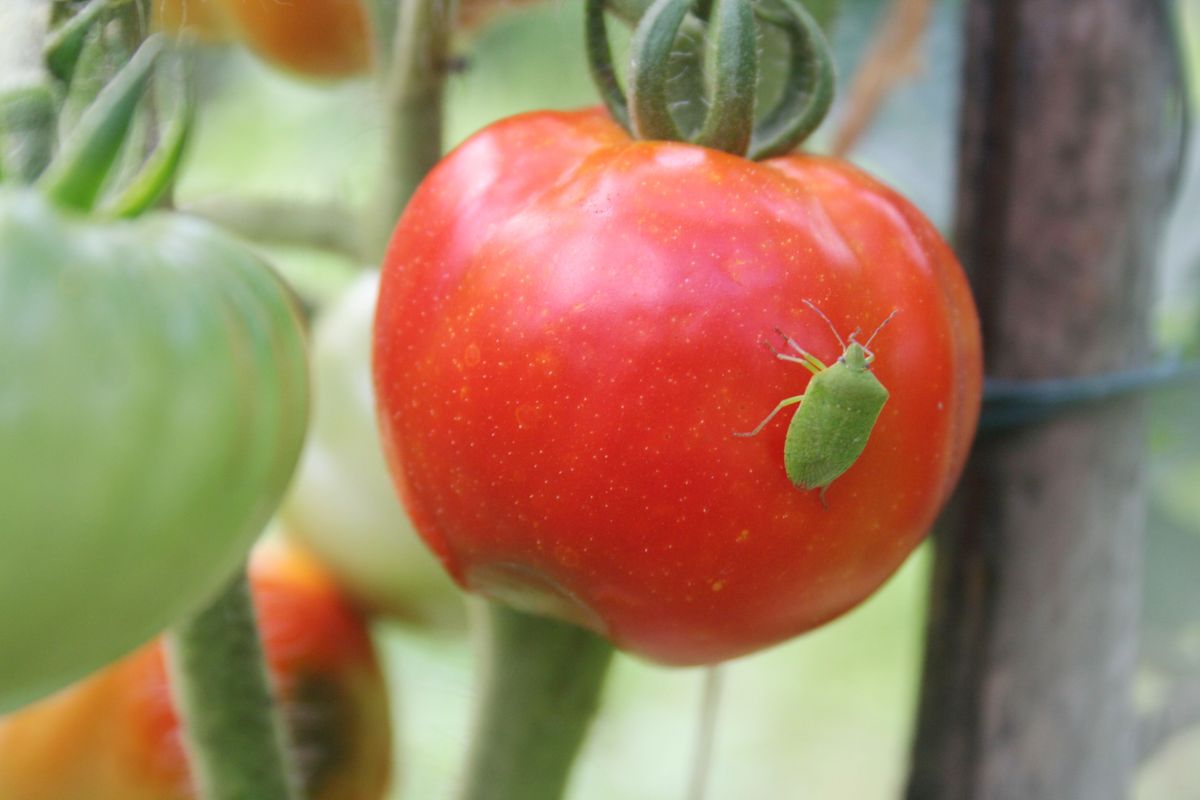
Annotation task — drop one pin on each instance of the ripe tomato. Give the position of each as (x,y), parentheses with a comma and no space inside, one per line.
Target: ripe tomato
(570,330)
(314,38)
(153,401)
(115,735)
(342,506)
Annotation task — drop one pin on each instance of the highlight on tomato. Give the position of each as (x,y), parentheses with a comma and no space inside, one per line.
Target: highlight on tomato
(116,735)
(341,505)
(574,321)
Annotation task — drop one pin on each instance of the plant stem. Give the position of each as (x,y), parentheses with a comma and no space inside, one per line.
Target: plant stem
(235,739)
(317,225)
(413,89)
(706,733)
(541,682)
(1037,584)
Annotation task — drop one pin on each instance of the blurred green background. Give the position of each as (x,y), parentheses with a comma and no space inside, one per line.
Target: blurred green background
(828,715)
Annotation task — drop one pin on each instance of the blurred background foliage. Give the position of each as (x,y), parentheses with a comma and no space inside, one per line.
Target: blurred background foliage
(827,715)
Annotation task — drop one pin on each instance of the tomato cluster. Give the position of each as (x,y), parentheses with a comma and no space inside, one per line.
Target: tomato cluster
(571,328)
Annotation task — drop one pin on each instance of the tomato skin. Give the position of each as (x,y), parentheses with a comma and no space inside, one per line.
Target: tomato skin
(115,735)
(153,402)
(570,329)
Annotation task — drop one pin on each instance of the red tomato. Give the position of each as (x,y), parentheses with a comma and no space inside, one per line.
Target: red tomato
(571,328)
(115,735)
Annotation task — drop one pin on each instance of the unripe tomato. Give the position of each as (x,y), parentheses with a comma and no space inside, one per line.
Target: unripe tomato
(572,327)
(153,400)
(314,38)
(342,506)
(115,735)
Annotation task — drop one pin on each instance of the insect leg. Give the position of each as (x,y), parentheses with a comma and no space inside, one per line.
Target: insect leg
(806,362)
(791,401)
(789,340)
(809,357)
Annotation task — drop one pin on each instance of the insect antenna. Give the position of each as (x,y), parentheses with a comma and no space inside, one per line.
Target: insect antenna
(882,325)
(821,314)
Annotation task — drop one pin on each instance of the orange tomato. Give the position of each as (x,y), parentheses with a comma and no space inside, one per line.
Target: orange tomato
(314,38)
(115,735)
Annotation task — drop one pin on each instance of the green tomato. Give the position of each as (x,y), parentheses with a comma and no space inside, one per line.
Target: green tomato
(153,400)
(342,505)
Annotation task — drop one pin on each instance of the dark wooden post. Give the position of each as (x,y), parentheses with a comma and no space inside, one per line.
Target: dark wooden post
(1071,137)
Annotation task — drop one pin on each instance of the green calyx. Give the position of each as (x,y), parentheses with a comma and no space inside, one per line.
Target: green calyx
(76,176)
(26,131)
(66,41)
(85,135)
(730,123)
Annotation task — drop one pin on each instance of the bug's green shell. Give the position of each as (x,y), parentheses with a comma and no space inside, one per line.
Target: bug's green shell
(153,399)
(832,425)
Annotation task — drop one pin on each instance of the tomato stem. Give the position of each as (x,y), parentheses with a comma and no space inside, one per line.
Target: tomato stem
(730,118)
(706,733)
(807,93)
(541,686)
(234,736)
(650,110)
(413,90)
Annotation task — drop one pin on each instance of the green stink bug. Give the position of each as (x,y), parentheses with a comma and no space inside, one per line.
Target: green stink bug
(831,427)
